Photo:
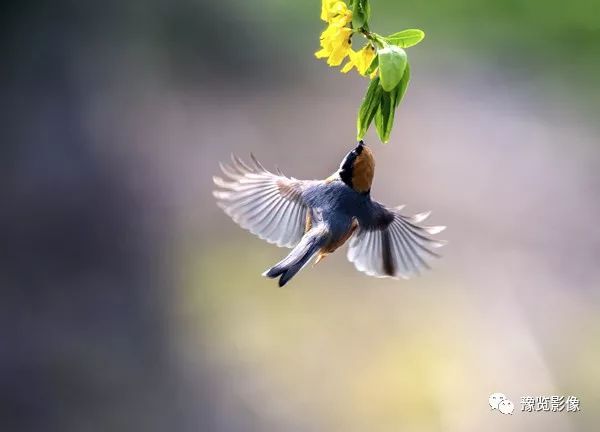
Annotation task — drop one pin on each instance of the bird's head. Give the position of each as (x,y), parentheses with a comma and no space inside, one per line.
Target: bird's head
(358,168)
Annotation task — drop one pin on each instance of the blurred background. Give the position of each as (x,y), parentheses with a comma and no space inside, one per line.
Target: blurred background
(130,302)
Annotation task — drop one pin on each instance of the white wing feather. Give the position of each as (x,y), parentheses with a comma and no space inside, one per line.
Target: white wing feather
(400,249)
(266,204)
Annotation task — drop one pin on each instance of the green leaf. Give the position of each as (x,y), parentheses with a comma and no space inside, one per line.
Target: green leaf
(384,118)
(368,108)
(372,66)
(389,101)
(406,38)
(403,84)
(392,62)
(361,10)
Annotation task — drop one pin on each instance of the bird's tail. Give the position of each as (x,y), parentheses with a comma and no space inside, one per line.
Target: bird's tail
(297,258)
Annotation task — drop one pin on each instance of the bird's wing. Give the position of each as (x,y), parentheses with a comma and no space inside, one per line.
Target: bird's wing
(390,244)
(266,204)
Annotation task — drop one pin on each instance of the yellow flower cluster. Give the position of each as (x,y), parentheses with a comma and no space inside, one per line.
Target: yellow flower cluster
(336,39)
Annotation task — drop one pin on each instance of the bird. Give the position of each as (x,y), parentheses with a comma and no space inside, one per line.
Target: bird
(316,217)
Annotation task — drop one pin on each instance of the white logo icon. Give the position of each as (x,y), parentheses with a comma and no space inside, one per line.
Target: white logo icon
(506,407)
(501,403)
(495,399)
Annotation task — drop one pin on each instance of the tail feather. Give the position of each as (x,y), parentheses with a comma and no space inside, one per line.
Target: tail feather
(287,268)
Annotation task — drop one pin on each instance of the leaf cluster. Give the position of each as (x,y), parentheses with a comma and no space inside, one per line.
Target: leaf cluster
(390,70)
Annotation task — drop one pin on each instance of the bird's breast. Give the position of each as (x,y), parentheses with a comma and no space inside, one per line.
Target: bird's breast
(363,173)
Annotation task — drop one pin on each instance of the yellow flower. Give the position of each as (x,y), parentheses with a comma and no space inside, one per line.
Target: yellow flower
(335,40)
(361,59)
(335,44)
(335,10)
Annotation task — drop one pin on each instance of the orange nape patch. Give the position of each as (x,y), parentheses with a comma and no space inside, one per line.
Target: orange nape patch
(363,171)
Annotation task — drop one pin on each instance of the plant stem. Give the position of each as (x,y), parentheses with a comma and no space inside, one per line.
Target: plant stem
(373,37)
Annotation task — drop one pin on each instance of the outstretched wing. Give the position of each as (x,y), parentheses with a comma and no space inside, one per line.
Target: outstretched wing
(266,204)
(389,244)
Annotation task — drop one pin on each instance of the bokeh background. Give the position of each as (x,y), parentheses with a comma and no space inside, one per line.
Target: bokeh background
(129,302)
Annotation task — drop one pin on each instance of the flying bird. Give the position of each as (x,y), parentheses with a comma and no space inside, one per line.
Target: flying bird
(316,217)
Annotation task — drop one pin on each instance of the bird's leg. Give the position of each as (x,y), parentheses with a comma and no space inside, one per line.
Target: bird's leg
(322,254)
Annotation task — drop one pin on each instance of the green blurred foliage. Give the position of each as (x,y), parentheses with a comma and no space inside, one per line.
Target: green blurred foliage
(543,40)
